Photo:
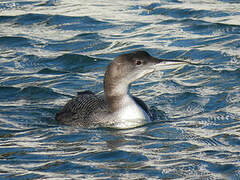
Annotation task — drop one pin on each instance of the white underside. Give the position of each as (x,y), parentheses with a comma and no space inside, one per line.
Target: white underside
(130,114)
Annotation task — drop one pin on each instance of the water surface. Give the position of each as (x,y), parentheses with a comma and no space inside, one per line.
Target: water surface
(50,50)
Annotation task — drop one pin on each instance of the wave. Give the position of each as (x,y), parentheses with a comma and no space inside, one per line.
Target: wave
(9,93)
(63,63)
(14,41)
(58,21)
(178,13)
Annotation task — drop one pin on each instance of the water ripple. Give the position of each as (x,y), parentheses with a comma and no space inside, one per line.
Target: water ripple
(51,50)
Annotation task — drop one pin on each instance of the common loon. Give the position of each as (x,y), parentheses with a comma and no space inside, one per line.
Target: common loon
(118,108)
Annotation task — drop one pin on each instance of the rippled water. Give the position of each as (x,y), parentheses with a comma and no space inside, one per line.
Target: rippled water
(50,50)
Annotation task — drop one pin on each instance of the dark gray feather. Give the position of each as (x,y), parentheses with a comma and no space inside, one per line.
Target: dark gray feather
(81,109)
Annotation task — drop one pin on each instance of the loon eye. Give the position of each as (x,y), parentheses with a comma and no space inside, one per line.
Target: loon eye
(138,62)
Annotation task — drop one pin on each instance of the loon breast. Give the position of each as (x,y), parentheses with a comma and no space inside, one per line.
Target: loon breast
(130,113)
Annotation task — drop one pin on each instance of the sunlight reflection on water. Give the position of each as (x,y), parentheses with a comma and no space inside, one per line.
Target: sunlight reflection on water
(50,50)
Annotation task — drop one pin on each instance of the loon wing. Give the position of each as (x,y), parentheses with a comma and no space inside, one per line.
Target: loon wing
(142,105)
(79,110)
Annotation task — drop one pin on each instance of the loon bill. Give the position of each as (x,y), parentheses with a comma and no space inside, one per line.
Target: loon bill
(118,108)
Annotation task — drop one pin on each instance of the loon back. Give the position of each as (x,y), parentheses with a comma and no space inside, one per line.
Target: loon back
(80,110)
(89,110)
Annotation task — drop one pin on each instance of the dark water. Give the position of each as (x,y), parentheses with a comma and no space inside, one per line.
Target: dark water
(50,50)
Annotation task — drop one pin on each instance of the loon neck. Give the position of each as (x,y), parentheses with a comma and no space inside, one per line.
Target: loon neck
(115,88)
(121,105)
(115,96)
(124,108)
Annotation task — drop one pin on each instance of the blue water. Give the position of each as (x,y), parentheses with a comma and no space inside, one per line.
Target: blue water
(50,50)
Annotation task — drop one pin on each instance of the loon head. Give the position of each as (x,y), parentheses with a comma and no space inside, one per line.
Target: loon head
(127,68)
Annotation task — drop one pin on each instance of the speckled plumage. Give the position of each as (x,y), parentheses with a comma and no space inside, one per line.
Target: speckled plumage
(81,109)
(86,108)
